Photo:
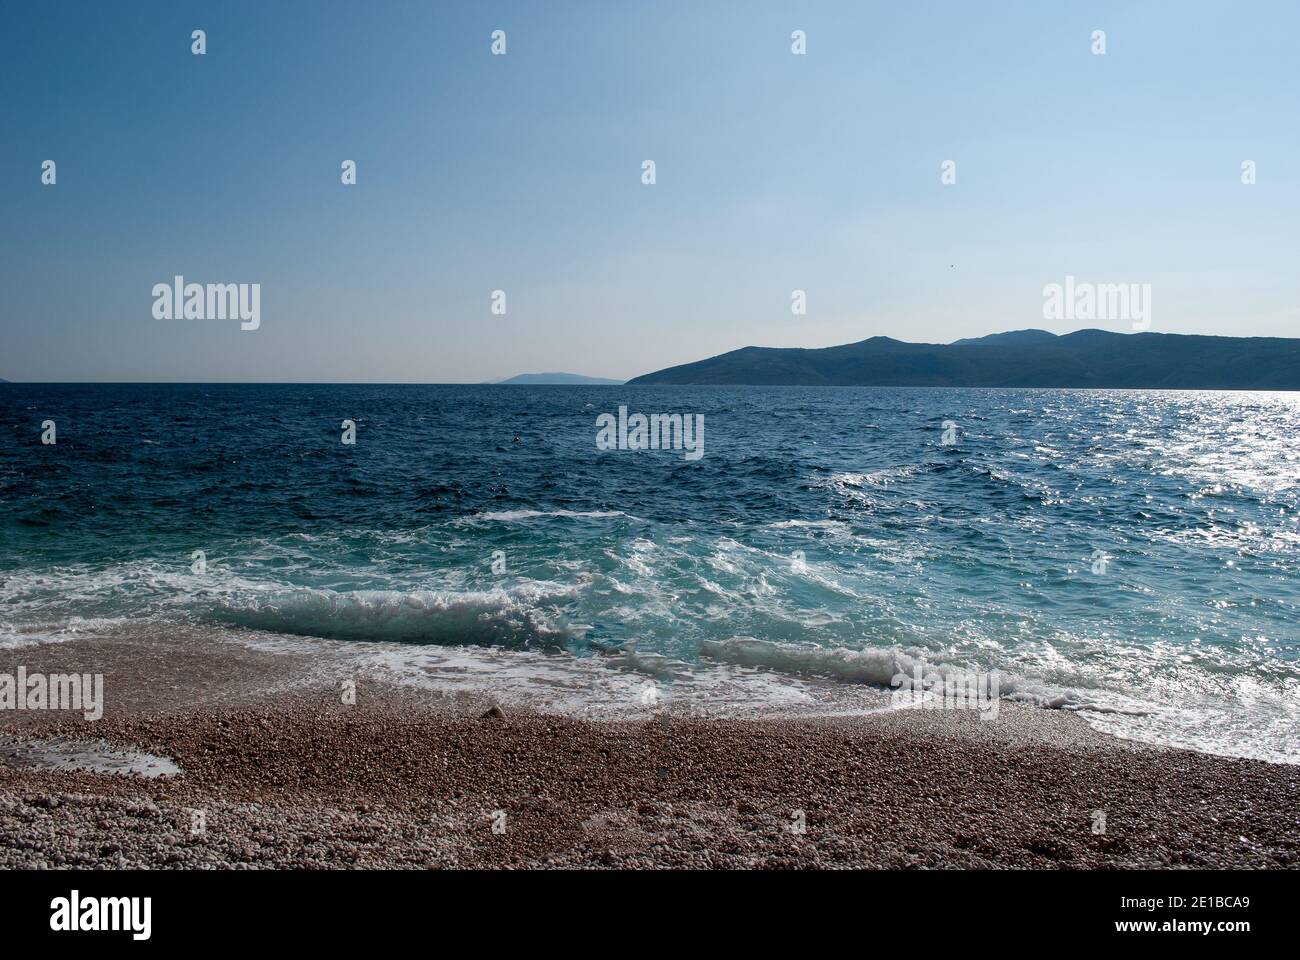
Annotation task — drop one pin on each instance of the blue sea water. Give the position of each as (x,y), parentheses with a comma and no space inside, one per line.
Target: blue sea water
(1131,555)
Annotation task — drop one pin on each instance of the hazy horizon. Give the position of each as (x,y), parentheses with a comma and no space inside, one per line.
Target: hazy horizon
(775,173)
(595,379)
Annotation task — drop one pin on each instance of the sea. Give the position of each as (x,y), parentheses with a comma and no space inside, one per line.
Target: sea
(1132,556)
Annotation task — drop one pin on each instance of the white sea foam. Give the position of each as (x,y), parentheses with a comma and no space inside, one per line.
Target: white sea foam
(1209,723)
(892,667)
(510,516)
(837,525)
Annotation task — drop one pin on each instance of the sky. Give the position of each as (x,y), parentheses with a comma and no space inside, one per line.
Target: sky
(522,172)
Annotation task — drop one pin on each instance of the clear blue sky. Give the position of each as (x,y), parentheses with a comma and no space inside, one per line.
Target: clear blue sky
(523,173)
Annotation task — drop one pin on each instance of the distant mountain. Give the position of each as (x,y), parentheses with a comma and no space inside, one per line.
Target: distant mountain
(537,379)
(1008,339)
(1022,358)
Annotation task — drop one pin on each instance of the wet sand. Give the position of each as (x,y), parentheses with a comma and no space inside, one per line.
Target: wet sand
(279,772)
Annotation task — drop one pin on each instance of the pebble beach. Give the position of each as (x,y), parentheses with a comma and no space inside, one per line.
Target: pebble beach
(278,773)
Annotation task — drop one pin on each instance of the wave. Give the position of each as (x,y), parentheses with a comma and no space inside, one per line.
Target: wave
(837,525)
(511,617)
(876,478)
(892,667)
(509,516)
(883,666)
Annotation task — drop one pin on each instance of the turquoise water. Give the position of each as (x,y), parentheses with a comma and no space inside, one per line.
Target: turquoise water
(1132,555)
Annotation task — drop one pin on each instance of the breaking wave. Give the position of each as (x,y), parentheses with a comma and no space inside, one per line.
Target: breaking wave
(509,617)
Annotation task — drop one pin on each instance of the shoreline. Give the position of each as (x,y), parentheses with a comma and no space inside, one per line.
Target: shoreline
(284,774)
